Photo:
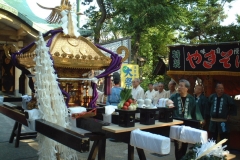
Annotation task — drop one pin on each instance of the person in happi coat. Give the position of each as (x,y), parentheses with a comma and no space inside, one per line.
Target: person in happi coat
(137,90)
(150,93)
(172,89)
(114,97)
(186,109)
(221,106)
(201,101)
(159,94)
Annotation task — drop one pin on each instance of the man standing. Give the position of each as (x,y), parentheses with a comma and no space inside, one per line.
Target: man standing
(114,98)
(137,90)
(172,89)
(150,93)
(185,108)
(221,106)
(201,101)
(159,94)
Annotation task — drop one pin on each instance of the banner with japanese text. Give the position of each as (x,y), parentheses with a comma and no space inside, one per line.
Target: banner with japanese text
(128,73)
(216,57)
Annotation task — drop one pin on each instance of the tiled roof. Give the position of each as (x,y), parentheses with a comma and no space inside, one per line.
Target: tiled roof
(21,9)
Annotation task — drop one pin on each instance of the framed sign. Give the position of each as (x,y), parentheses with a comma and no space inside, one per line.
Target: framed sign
(216,57)
(128,73)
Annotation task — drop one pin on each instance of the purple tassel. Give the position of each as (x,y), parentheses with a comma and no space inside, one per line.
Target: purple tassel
(107,85)
(92,104)
(114,66)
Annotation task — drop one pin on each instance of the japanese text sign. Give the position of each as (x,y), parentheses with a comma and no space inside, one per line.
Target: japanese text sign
(128,73)
(221,57)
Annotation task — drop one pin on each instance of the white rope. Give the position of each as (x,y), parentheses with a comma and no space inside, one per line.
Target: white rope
(94,79)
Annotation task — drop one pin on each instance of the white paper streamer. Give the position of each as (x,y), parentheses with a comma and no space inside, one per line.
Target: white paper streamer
(218,151)
(65,22)
(51,104)
(94,80)
(25,100)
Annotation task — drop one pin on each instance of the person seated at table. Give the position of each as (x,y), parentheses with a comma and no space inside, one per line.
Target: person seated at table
(137,90)
(155,86)
(186,108)
(114,97)
(150,93)
(159,94)
(172,89)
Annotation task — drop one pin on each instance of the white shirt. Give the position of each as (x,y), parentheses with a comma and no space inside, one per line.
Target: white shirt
(168,94)
(150,94)
(138,93)
(158,95)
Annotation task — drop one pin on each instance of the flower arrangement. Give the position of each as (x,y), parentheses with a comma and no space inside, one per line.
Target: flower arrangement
(207,151)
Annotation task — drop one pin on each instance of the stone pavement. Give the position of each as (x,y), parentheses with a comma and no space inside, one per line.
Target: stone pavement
(28,148)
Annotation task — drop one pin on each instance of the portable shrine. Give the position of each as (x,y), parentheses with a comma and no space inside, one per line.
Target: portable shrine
(74,58)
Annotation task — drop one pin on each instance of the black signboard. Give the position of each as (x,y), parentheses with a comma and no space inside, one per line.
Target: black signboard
(217,57)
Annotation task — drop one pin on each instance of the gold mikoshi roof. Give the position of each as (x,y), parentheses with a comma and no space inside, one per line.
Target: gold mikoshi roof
(75,53)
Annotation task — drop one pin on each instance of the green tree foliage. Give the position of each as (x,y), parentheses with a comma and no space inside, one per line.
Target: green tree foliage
(154,45)
(204,23)
(148,22)
(98,17)
(224,34)
(136,17)
(153,24)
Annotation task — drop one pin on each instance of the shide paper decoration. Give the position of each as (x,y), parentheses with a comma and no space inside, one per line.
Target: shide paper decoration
(51,104)
(50,99)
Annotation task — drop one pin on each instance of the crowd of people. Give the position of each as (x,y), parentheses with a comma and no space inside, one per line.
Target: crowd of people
(214,109)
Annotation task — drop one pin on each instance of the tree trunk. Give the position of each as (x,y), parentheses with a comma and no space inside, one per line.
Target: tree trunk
(100,21)
(136,45)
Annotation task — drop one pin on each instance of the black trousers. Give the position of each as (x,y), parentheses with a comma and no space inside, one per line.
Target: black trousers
(180,149)
(214,136)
